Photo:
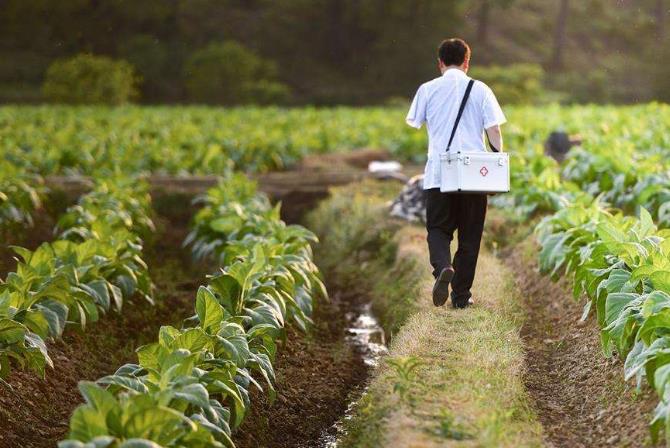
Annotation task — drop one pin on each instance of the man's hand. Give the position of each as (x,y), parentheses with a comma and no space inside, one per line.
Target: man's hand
(495,137)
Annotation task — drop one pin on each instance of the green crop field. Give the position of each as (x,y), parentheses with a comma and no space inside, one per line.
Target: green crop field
(214,231)
(600,220)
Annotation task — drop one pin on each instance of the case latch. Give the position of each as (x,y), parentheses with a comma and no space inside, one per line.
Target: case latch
(501,161)
(466,160)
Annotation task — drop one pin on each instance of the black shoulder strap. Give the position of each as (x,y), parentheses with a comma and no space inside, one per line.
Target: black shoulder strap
(460,112)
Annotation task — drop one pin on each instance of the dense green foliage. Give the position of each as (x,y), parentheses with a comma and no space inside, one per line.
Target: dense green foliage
(513,84)
(87,79)
(621,158)
(343,51)
(19,196)
(192,139)
(62,140)
(93,266)
(228,73)
(191,387)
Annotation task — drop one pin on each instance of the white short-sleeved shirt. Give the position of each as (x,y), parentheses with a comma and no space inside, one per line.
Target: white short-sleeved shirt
(437,102)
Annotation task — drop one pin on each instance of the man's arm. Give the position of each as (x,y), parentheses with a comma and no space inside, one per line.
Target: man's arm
(495,137)
(416,116)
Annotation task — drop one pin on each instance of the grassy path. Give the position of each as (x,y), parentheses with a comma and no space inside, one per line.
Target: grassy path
(467,387)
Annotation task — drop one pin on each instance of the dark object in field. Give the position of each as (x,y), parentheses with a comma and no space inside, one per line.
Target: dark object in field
(558,144)
(410,203)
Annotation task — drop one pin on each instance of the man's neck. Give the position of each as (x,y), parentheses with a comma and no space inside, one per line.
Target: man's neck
(457,67)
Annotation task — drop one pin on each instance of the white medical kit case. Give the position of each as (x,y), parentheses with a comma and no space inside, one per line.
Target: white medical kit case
(473,171)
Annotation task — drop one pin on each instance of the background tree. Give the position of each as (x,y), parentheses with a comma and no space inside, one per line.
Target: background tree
(484,18)
(559,34)
(88,79)
(338,51)
(661,13)
(228,73)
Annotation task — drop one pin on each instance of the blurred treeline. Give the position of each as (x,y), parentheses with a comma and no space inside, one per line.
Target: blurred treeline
(339,51)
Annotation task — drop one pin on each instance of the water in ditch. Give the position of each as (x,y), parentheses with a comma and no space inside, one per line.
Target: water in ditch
(366,337)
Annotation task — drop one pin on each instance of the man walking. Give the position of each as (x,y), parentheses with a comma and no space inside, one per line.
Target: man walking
(437,104)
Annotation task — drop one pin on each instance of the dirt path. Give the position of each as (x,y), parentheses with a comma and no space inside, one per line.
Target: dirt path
(36,413)
(579,395)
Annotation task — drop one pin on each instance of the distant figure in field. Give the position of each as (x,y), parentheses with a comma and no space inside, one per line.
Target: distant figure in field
(559,143)
(437,104)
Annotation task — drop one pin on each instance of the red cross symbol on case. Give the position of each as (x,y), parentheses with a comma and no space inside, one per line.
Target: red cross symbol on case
(484,171)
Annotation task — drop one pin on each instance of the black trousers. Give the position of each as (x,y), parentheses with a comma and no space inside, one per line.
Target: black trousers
(446,213)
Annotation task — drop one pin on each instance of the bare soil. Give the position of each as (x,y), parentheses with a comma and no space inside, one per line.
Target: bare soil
(580,396)
(360,158)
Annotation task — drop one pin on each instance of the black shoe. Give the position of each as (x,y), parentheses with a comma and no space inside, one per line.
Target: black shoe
(461,302)
(441,288)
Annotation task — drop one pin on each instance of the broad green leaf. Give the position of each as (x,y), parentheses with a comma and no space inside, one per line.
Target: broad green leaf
(160,424)
(98,398)
(194,394)
(100,287)
(56,315)
(659,322)
(616,303)
(123,382)
(661,280)
(86,424)
(116,295)
(12,332)
(646,222)
(662,379)
(193,340)
(208,309)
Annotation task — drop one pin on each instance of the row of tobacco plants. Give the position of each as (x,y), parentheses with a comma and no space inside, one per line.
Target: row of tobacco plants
(619,262)
(191,387)
(622,265)
(93,266)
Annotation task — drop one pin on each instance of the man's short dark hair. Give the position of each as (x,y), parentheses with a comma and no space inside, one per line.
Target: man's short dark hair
(454,52)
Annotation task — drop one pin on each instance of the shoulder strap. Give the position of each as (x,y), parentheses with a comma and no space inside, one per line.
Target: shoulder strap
(460,112)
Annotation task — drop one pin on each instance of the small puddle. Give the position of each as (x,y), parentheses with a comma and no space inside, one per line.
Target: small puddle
(366,335)
(367,338)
